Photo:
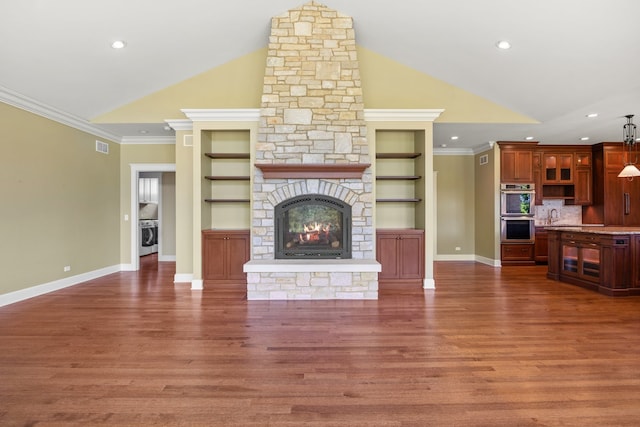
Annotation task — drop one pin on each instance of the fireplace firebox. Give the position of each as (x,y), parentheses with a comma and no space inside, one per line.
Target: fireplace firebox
(311,227)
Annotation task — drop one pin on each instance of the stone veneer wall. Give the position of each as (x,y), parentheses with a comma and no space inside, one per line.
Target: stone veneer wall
(312,112)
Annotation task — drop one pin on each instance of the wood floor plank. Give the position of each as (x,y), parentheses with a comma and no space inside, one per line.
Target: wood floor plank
(489,347)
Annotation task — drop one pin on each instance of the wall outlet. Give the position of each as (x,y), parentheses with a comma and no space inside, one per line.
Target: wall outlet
(126,217)
(67,268)
(458,248)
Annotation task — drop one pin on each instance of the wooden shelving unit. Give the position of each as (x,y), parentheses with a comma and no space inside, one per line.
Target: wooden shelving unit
(402,156)
(398,155)
(227,155)
(414,200)
(227,200)
(226,169)
(227,178)
(398,178)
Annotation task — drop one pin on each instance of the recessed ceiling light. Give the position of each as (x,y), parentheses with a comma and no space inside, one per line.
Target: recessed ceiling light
(453,138)
(529,138)
(443,145)
(118,44)
(503,44)
(144,132)
(584,138)
(592,115)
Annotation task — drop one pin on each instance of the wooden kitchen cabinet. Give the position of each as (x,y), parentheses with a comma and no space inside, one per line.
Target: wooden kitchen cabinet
(597,259)
(557,168)
(401,254)
(517,253)
(537,177)
(583,179)
(516,162)
(565,174)
(541,246)
(616,201)
(581,257)
(224,252)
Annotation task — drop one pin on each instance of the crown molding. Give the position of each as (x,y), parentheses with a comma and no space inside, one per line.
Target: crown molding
(223,115)
(25,103)
(439,151)
(453,152)
(180,124)
(484,147)
(143,140)
(401,115)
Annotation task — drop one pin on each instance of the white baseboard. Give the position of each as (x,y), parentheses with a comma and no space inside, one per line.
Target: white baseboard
(451,257)
(128,267)
(182,278)
(197,284)
(489,261)
(45,288)
(428,284)
(475,258)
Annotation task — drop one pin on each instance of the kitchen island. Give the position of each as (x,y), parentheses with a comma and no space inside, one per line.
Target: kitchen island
(604,259)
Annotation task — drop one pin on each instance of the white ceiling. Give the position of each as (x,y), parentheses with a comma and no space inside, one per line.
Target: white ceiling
(569,57)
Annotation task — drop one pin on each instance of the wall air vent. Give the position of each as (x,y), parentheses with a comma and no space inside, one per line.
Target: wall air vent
(484,159)
(102,147)
(188,141)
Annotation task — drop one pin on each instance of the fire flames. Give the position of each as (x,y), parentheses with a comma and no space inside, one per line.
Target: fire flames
(316,232)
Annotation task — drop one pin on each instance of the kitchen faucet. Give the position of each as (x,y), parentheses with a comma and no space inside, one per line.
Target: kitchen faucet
(550,216)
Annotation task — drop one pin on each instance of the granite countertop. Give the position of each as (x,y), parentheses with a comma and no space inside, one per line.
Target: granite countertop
(595,229)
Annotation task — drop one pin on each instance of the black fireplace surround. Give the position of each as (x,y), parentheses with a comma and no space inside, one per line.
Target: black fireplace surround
(313,226)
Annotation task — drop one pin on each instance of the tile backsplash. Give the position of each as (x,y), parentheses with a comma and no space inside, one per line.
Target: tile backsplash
(558,213)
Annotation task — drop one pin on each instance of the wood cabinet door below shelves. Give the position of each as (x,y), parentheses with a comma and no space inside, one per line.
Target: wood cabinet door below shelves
(237,252)
(410,249)
(213,261)
(388,256)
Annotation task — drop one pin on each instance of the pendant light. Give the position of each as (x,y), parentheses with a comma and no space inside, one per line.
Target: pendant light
(629,138)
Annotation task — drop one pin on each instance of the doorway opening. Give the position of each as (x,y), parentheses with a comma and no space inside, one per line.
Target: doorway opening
(155,207)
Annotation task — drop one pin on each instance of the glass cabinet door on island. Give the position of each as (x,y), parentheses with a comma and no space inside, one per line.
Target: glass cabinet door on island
(581,259)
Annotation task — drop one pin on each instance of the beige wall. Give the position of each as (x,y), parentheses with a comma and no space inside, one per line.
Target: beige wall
(168,230)
(60,201)
(385,84)
(456,204)
(184,204)
(487,181)
(136,153)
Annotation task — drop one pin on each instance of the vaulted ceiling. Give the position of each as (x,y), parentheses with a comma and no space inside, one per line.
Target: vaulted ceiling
(568,58)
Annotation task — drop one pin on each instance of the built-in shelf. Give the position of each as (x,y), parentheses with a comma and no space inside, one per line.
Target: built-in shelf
(227,155)
(397,155)
(398,177)
(226,200)
(226,178)
(410,200)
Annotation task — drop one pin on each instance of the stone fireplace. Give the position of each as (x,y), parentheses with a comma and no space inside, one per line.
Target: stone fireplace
(312,147)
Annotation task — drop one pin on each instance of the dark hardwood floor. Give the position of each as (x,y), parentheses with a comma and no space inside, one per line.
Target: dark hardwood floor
(489,347)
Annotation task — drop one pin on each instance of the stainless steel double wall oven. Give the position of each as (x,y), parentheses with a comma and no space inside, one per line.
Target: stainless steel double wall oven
(517,222)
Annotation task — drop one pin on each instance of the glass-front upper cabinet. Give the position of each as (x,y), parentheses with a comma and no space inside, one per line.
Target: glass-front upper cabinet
(558,168)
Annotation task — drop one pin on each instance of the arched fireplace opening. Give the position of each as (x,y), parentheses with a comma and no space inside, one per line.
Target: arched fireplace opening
(313,226)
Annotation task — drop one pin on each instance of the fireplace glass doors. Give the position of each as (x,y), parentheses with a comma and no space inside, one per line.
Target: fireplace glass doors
(311,227)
